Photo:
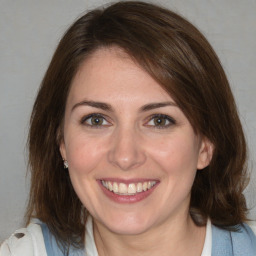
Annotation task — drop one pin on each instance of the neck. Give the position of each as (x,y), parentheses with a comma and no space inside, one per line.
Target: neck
(176,238)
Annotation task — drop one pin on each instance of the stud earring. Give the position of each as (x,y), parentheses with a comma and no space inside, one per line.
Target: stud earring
(65,163)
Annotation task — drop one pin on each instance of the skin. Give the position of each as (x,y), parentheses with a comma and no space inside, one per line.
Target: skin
(128,144)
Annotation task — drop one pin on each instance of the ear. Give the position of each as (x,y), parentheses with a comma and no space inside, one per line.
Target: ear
(62,148)
(61,143)
(205,153)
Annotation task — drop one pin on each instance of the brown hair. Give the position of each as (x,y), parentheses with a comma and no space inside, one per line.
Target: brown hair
(181,60)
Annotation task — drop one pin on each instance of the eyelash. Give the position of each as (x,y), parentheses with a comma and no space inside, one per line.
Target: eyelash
(150,119)
(95,115)
(161,116)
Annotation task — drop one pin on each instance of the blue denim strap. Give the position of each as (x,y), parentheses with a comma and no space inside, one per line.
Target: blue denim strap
(229,243)
(51,246)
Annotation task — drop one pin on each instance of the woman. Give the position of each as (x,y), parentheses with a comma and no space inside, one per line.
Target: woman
(135,144)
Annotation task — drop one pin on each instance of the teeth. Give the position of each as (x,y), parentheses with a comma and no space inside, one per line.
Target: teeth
(115,187)
(145,186)
(139,187)
(130,189)
(122,188)
(110,187)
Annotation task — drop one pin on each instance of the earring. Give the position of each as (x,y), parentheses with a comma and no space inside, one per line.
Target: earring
(65,163)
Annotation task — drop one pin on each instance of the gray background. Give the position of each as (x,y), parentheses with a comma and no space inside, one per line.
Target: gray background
(29,33)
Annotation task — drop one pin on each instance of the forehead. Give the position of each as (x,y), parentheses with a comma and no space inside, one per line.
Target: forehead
(110,73)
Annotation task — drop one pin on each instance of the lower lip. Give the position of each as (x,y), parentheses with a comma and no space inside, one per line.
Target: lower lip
(127,199)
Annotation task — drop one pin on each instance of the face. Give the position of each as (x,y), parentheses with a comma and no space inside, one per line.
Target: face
(132,153)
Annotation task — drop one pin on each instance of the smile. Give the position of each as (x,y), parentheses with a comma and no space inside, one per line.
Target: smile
(128,189)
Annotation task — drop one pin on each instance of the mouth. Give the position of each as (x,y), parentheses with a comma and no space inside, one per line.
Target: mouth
(130,189)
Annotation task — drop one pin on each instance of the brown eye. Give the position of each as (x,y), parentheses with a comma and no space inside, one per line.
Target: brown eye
(160,121)
(95,120)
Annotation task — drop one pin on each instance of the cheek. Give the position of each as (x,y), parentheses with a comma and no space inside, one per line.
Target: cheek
(176,155)
(83,154)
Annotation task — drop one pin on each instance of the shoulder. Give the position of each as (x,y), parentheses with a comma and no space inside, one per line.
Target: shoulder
(26,241)
(252,225)
(240,242)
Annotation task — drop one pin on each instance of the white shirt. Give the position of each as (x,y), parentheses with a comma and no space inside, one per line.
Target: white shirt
(207,249)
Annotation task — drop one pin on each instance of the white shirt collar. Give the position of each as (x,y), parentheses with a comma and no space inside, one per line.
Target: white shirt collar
(91,250)
(90,247)
(207,250)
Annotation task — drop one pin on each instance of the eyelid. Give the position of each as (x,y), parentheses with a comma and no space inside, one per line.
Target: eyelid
(171,120)
(86,117)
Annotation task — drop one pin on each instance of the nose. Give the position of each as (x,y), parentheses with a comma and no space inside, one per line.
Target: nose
(126,150)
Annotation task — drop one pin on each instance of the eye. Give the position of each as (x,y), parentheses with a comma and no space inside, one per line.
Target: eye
(95,120)
(160,121)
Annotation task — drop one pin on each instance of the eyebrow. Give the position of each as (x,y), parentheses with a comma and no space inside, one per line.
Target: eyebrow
(94,104)
(107,107)
(152,106)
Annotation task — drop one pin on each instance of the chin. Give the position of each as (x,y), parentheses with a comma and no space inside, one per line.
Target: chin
(128,225)
(128,229)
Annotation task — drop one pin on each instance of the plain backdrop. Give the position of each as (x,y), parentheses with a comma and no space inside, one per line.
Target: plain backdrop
(29,33)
